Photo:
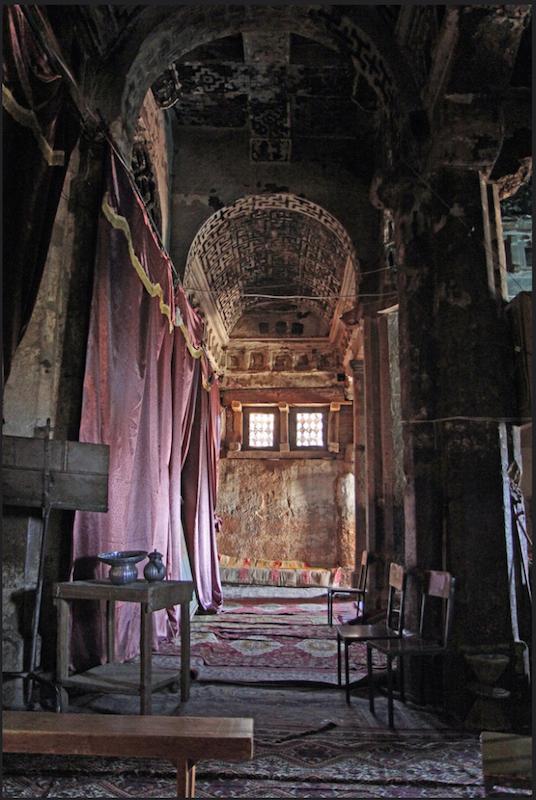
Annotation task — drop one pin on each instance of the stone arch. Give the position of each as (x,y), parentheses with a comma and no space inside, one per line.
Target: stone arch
(166,35)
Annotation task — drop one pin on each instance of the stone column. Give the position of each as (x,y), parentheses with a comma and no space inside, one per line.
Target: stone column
(373,460)
(333,427)
(56,341)
(456,366)
(360,506)
(387,454)
(284,443)
(235,439)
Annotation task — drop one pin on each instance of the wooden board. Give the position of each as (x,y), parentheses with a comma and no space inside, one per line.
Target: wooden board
(78,473)
(128,735)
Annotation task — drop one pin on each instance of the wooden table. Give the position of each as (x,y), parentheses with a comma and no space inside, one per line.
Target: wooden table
(125,678)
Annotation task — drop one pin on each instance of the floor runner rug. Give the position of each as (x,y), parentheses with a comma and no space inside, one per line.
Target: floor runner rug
(267,640)
(330,764)
(250,653)
(302,612)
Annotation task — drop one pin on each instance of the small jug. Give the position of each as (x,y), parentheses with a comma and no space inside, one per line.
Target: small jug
(154,569)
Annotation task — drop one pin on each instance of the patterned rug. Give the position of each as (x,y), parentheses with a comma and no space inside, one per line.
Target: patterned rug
(333,763)
(256,640)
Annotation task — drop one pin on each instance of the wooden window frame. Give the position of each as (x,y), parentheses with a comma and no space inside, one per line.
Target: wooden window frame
(247,411)
(294,411)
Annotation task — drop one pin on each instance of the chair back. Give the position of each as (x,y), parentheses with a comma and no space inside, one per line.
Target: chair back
(363,571)
(396,598)
(435,624)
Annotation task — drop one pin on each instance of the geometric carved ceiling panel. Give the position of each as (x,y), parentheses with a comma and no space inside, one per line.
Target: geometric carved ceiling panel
(265,249)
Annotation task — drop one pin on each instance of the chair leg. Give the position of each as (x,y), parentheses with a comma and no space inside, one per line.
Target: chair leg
(338,660)
(330,611)
(401,678)
(370,680)
(347,671)
(390,691)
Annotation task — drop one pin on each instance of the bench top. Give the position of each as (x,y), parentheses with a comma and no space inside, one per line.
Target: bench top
(134,735)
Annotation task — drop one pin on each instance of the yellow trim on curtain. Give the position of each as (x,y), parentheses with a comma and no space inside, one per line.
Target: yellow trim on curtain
(195,352)
(27,118)
(154,289)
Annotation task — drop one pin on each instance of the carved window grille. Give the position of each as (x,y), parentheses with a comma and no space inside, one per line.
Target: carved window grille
(261,429)
(309,429)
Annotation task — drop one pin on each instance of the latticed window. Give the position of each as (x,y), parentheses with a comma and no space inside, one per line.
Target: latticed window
(285,429)
(309,429)
(261,430)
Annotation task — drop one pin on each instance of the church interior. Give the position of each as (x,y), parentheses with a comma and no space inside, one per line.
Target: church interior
(267,307)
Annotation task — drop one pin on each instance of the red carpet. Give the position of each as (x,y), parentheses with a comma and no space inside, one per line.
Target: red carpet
(267,640)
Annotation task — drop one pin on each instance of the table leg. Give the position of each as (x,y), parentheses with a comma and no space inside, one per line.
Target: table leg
(62,652)
(110,629)
(185,778)
(146,643)
(185,651)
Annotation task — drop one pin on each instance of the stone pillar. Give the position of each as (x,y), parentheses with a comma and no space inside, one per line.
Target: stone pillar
(333,427)
(56,341)
(360,505)
(235,440)
(387,455)
(284,442)
(373,460)
(456,366)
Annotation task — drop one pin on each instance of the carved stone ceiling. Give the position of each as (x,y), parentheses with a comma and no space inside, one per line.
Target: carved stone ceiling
(276,245)
(286,90)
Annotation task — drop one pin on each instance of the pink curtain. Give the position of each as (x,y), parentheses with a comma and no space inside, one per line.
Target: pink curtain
(150,394)
(197,427)
(200,483)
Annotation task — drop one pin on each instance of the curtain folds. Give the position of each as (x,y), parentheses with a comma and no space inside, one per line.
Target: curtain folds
(143,397)
(40,128)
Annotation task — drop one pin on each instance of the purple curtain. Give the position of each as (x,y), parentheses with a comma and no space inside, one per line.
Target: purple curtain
(199,489)
(150,394)
(127,405)
(40,128)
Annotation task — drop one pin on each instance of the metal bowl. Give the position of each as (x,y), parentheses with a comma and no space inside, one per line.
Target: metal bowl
(122,557)
(123,565)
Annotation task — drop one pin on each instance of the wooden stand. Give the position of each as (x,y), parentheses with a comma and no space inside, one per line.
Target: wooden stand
(115,677)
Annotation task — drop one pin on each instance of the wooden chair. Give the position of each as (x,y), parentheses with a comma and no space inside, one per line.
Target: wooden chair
(437,585)
(359,591)
(392,627)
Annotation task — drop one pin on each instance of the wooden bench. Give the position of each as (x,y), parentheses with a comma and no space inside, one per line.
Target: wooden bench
(506,762)
(181,740)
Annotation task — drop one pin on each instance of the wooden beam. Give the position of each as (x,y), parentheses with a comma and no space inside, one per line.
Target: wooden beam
(295,396)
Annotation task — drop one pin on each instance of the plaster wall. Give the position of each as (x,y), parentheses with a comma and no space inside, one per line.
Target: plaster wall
(288,510)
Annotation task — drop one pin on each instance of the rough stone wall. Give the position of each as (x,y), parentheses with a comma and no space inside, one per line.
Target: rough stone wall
(288,510)
(152,126)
